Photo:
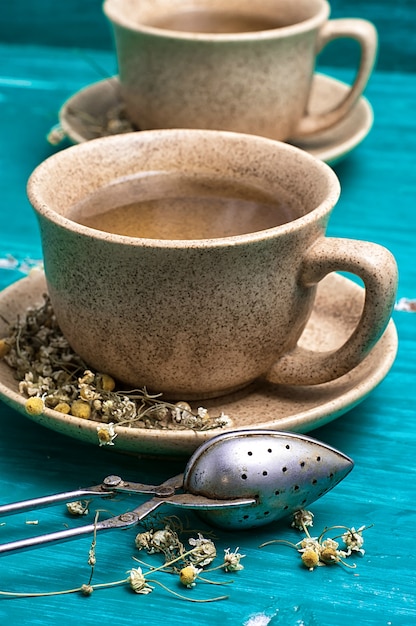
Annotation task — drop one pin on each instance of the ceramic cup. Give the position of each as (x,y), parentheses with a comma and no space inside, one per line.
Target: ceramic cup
(240,65)
(199,317)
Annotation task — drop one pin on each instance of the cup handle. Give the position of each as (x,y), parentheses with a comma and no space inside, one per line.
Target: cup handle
(376,266)
(365,34)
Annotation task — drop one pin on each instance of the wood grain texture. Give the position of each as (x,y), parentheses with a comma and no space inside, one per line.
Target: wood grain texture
(377,203)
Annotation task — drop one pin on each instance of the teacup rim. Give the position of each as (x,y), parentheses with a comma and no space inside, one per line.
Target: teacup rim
(274,33)
(42,208)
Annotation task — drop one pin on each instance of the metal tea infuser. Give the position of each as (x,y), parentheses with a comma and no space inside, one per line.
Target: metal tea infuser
(236,480)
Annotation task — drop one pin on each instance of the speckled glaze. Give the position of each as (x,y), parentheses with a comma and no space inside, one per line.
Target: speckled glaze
(250,82)
(201,318)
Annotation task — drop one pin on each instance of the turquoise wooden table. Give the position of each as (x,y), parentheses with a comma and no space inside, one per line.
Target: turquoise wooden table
(378,199)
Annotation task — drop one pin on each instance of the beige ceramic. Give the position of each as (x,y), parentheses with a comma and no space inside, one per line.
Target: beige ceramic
(264,404)
(254,82)
(200,318)
(97,110)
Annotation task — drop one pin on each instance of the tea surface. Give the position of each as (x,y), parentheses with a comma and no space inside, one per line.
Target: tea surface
(165,206)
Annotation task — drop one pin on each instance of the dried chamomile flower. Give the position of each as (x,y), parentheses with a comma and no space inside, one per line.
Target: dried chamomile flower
(188,575)
(138,582)
(182,412)
(87,378)
(310,559)
(34,406)
(106,382)
(106,434)
(56,135)
(302,519)
(204,551)
(167,541)
(329,556)
(158,413)
(77,507)
(223,421)
(119,409)
(203,414)
(31,387)
(316,551)
(87,590)
(80,408)
(143,541)
(232,560)
(63,407)
(354,540)
(46,366)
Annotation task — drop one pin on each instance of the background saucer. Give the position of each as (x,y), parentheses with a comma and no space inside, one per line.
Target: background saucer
(95,111)
(265,404)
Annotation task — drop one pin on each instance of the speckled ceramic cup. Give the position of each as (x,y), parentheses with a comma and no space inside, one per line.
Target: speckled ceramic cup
(202,317)
(239,65)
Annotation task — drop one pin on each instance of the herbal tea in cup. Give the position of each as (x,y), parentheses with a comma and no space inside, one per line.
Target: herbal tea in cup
(163,205)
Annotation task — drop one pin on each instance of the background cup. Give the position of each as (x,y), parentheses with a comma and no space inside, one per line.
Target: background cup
(200,318)
(252,82)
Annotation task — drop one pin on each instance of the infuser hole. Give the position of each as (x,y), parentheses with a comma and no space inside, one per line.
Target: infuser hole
(287,446)
(284,469)
(269,450)
(265,473)
(302,463)
(314,481)
(266,513)
(318,458)
(295,488)
(244,476)
(250,453)
(277,492)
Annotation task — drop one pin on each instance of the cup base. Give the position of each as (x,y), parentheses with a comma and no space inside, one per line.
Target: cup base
(209,395)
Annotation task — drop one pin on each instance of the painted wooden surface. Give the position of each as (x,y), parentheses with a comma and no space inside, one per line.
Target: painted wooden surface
(80,24)
(377,203)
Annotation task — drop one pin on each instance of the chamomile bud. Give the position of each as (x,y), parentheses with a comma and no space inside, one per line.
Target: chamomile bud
(34,406)
(107,383)
(329,555)
(63,407)
(82,409)
(188,575)
(310,559)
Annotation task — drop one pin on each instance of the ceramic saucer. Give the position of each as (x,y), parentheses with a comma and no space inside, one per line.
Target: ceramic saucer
(97,110)
(265,404)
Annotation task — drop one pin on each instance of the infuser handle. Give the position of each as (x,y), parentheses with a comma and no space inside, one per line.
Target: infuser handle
(108,488)
(25,506)
(65,535)
(125,520)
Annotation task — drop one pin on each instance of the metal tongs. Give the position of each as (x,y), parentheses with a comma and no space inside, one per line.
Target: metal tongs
(239,479)
(112,485)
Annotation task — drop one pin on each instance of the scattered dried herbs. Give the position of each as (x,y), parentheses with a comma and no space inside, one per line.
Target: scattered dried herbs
(52,375)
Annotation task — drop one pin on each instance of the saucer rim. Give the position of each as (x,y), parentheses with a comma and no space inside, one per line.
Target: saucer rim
(175,443)
(329,154)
